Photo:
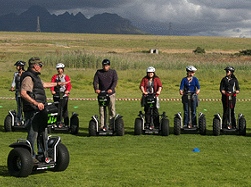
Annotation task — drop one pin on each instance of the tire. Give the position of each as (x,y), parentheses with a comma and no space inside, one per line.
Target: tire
(92,128)
(7,123)
(202,125)
(74,125)
(119,127)
(165,127)
(20,163)
(242,126)
(138,124)
(216,127)
(177,126)
(62,158)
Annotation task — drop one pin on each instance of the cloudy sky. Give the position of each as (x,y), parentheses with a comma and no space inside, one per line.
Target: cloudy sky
(231,18)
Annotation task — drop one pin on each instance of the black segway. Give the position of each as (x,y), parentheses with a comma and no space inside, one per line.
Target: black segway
(56,123)
(140,125)
(116,124)
(10,122)
(54,155)
(219,126)
(178,121)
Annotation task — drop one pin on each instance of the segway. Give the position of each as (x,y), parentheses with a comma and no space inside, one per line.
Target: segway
(54,154)
(116,124)
(219,126)
(56,123)
(140,125)
(10,122)
(178,120)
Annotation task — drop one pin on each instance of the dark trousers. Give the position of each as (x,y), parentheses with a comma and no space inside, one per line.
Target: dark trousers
(226,104)
(155,116)
(64,109)
(35,125)
(194,103)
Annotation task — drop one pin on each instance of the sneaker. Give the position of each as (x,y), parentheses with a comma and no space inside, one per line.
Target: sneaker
(229,127)
(189,126)
(104,129)
(151,127)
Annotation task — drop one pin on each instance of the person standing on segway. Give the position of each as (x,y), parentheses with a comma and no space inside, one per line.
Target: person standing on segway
(190,87)
(33,100)
(15,86)
(151,84)
(106,79)
(229,86)
(61,93)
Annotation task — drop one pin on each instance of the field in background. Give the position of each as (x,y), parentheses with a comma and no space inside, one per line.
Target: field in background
(135,160)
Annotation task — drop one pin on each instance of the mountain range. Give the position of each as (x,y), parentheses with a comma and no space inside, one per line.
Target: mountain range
(37,18)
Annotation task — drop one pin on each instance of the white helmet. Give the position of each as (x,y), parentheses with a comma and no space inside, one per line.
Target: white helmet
(60,65)
(150,69)
(191,68)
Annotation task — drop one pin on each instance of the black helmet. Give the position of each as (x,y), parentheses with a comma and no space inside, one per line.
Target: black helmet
(19,63)
(106,62)
(229,68)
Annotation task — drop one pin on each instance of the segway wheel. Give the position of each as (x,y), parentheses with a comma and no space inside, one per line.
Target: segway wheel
(92,128)
(62,158)
(216,127)
(165,127)
(138,124)
(74,125)
(20,163)
(242,126)
(177,126)
(7,123)
(202,124)
(119,127)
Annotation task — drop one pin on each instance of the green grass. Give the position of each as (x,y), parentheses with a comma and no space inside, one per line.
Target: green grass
(135,160)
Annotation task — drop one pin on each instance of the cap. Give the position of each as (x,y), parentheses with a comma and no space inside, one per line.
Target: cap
(106,62)
(35,60)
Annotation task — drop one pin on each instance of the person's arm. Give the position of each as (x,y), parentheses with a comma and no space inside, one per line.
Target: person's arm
(142,87)
(159,86)
(68,86)
(114,82)
(13,84)
(53,84)
(96,83)
(237,87)
(182,87)
(197,86)
(222,87)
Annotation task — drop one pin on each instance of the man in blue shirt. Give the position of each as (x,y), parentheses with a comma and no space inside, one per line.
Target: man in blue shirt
(190,86)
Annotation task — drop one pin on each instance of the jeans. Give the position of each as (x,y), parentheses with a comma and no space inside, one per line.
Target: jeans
(194,104)
(35,125)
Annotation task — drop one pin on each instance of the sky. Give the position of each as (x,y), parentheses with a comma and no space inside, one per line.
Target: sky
(228,18)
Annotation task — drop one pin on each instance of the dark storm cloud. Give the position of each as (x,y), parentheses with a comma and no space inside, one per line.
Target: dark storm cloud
(181,17)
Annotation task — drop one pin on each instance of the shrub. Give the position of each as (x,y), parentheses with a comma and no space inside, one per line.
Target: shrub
(199,50)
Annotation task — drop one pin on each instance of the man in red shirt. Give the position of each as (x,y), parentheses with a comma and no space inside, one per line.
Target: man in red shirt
(62,91)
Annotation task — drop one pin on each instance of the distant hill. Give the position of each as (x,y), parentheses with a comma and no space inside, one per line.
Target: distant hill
(105,23)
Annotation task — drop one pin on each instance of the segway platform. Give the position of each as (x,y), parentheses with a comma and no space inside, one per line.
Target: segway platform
(10,122)
(179,127)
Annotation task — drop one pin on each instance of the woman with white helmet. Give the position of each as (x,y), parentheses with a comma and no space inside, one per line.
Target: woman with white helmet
(63,89)
(190,85)
(229,84)
(151,84)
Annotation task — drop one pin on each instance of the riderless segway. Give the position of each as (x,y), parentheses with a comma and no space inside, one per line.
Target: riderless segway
(54,154)
(56,122)
(178,121)
(219,126)
(140,125)
(116,124)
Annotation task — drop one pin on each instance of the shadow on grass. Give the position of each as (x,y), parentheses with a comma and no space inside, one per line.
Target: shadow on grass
(4,171)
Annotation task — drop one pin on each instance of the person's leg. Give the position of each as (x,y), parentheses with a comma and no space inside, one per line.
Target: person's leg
(233,113)
(193,110)
(102,118)
(32,130)
(65,111)
(19,110)
(185,119)
(156,117)
(112,109)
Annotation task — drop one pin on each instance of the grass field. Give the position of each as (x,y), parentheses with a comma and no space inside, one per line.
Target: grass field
(135,160)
